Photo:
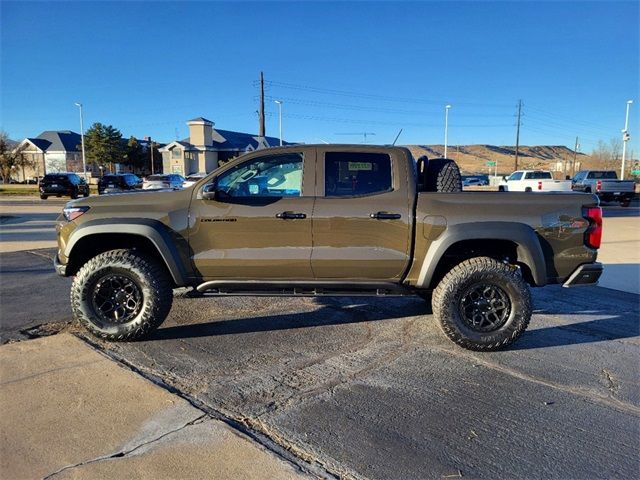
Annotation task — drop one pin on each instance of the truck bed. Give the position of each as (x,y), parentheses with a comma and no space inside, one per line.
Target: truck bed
(555,220)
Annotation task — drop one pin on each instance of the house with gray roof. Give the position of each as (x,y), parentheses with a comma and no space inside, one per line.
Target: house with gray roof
(52,151)
(207,146)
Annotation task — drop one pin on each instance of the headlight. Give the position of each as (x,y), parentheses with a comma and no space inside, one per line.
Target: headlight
(71,213)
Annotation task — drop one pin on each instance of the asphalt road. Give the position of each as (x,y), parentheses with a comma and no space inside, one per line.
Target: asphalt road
(371,388)
(31,293)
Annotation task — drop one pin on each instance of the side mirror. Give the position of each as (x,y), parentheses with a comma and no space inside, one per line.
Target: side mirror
(504,177)
(209,191)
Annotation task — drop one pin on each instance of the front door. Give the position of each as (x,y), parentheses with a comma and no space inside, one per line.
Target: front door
(362,217)
(259,225)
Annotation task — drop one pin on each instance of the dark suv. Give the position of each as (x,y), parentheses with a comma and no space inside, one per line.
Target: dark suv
(59,184)
(118,182)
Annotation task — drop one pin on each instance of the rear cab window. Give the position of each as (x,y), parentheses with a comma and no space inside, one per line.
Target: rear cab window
(538,176)
(352,174)
(603,175)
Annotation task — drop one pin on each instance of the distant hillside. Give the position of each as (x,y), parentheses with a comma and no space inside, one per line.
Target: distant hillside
(474,158)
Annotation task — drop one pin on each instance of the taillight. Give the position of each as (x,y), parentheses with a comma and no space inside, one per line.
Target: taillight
(593,235)
(599,185)
(539,185)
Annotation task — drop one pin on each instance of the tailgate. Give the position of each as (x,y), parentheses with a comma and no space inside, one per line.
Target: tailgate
(617,186)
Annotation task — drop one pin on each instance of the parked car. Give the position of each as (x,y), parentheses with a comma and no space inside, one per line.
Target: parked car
(168,180)
(118,182)
(366,220)
(605,184)
(193,178)
(474,182)
(533,181)
(63,184)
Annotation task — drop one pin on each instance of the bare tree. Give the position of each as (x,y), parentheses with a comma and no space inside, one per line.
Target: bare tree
(10,157)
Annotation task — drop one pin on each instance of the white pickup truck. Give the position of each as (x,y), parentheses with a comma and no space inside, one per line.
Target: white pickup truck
(533,181)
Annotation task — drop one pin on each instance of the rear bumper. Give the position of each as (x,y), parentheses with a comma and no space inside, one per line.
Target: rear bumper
(585,274)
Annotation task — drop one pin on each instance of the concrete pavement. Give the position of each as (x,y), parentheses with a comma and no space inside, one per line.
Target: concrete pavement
(28,223)
(620,252)
(71,412)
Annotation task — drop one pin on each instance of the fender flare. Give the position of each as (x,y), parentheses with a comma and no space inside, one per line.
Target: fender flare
(153,230)
(529,249)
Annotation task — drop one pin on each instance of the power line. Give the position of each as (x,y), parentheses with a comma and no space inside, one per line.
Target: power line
(328,91)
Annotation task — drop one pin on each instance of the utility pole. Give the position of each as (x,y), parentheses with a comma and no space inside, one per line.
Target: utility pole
(575,153)
(279,102)
(151,150)
(446,128)
(625,138)
(518,134)
(84,160)
(262,129)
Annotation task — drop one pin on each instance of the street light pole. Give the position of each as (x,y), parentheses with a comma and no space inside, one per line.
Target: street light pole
(625,138)
(279,102)
(446,128)
(84,160)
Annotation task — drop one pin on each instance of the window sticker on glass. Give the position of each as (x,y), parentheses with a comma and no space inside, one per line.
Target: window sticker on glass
(357,166)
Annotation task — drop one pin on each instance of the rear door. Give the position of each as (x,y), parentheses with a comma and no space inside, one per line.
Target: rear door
(362,217)
(259,226)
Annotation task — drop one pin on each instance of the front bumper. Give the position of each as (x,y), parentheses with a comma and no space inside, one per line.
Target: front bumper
(61,269)
(585,274)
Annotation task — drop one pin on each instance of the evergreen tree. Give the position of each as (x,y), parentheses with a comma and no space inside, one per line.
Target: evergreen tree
(104,145)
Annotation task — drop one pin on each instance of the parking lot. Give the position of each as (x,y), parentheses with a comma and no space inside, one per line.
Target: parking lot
(370,387)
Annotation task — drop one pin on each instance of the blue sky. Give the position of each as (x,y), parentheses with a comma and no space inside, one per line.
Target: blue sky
(341,68)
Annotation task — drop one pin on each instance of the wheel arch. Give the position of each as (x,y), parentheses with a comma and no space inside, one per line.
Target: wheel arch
(515,241)
(149,236)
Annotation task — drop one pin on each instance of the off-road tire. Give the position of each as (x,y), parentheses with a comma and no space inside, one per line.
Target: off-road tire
(447,298)
(501,189)
(443,175)
(149,276)
(43,197)
(85,194)
(74,194)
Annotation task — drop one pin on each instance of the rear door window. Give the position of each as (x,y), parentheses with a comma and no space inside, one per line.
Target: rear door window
(350,174)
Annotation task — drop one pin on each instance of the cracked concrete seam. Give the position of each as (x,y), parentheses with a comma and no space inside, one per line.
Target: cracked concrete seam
(129,451)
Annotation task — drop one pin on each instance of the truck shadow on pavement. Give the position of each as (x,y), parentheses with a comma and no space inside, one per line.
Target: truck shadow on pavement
(330,313)
(616,326)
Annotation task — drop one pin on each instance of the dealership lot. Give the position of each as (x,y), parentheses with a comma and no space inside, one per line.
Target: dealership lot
(370,387)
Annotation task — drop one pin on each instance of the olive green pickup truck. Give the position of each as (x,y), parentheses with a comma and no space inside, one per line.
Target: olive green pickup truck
(328,220)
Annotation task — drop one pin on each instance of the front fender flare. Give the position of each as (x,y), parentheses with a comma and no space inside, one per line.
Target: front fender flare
(153,230)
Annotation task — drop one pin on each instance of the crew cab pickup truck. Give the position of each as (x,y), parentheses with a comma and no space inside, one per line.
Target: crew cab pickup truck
(605,184)
(328,220)
(533,181)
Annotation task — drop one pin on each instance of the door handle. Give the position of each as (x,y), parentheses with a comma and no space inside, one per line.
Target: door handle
(291,215)
(385,216)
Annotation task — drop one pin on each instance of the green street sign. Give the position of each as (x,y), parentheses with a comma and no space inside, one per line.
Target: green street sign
(635,172)
(491,164)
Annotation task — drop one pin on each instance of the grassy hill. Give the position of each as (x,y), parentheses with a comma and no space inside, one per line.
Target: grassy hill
(473,159)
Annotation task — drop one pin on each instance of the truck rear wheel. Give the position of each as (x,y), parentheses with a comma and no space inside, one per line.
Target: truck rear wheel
(121,295)
(482,304)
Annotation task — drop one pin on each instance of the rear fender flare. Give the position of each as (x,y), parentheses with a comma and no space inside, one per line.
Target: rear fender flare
(529,250)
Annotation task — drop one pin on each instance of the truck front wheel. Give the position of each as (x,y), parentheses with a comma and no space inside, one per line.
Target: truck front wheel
(482,304)
(121,295)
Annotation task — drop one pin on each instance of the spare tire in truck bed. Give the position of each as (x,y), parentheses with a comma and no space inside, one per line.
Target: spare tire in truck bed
(439,175)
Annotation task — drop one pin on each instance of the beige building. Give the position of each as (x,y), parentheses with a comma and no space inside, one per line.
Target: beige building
(50,152)
(207,146)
